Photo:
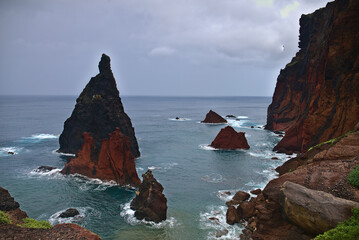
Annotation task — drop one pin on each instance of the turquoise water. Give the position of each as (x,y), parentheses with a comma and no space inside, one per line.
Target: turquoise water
(193,175)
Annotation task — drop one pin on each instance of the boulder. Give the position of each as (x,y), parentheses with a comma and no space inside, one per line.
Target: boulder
(232,215)
(213,117)
(256,191)
(241,196)
(112,162)
(229,139)
(98,111)
(70,212)
(316,96)
(313,211)
(247,210)
(150,203)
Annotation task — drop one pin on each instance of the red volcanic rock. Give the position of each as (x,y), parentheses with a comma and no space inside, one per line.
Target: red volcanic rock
(316,97)
(150,203)
(114,162)
(213,117)
(228,138)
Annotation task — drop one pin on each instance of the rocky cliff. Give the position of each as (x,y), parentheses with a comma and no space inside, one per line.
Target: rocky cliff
(113,162)
(14,228)
(316,97)
(98,111)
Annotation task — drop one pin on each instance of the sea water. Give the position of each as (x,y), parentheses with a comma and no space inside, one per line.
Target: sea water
(196,178)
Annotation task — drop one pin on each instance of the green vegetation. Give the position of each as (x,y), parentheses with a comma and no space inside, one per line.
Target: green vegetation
(4,218)
(32,223)
(353,177)
(348,230)
(331,141)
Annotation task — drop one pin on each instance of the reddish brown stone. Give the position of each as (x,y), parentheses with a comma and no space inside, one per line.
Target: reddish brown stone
(115,161)
(213,117)
(150,203)
(316,97)
(229,139)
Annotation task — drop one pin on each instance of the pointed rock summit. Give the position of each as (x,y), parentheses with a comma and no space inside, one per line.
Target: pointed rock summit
(213,117)
(229,139)
(98,111)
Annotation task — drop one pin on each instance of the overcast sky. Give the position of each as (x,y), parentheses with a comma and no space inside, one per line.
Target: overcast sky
(157,47)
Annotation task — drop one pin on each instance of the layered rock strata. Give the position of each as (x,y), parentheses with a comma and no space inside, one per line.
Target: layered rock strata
(229,139)
(113,161)
(150,203)
(316,97)
(213,117)
(98,111)
(13,231)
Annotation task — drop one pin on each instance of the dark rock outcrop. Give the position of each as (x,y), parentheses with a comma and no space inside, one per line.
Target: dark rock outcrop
(313,211)
(150,203)
(70,212)
(229,139)
(316,97)
(44,169)
(13,230)
(112,162)
(98,111)
(213,117)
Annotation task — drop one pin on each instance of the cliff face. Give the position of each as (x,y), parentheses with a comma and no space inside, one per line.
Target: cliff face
(114,162)
(99,111)
(316,97)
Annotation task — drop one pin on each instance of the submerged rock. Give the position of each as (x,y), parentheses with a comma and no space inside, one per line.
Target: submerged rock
(150,203)
(314,211)
(44,169)
(213,117)
(98,111)
(229,139)
(70,212)
(112,162)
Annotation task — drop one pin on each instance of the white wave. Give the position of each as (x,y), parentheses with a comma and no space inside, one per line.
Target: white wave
(54,173)
(207,147)
(42,136)
(242,117)
(268,154)
(129,215)
(179,119)
(163,167)
(214,219)
(213,178)
(63,154)
(214,123)
(139,169)
(153,168)
(225,195)
(85,212)
(9,151)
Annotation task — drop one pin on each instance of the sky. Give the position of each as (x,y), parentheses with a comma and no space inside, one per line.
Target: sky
(157,47)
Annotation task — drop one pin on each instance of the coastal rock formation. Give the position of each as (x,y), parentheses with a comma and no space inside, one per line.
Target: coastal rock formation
(229,139)
(70,212)
(213,117)
(313,211)
(324,168)
(150,203)
(113,161)
(316,97)
(98,111)
(13,230)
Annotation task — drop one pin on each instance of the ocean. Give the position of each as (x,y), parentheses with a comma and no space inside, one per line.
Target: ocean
(195,177)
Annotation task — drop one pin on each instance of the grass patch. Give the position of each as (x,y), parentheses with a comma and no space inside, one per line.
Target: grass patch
(353,177)
(348,230)
(32,223)
(331,141)
(4,218)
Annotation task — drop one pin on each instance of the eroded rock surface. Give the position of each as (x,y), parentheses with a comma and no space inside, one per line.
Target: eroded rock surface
(229,139)
(150,203)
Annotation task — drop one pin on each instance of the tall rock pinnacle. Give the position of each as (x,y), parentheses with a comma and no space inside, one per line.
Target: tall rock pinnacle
(98,111)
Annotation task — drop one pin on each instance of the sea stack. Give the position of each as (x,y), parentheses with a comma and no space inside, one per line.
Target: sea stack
(229,139)
(316,97)
(150,203)
(98,111)
(213,117)
(100,133)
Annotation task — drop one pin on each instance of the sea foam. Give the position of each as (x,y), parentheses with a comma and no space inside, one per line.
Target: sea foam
(4,151)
